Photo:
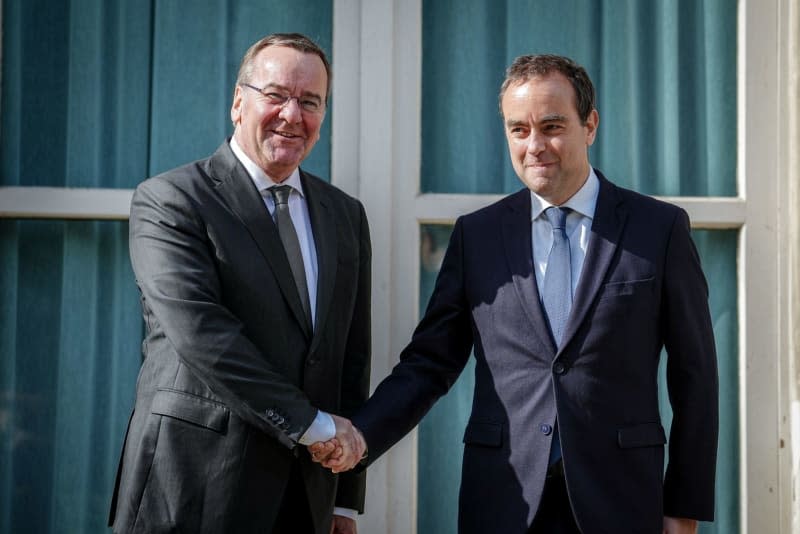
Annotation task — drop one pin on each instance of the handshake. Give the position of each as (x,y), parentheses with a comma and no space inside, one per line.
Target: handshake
(343,451)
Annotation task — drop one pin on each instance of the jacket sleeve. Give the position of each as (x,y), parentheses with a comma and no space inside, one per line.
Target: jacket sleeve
(429,365)
(180,287)
(692,381)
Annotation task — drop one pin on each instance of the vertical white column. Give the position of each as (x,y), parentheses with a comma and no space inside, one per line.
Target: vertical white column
(406,118)
(789,260)
(375,156)
(346,102)
(759,332)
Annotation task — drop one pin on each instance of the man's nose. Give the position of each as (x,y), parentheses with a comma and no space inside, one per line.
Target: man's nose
(291,111)
(536,143)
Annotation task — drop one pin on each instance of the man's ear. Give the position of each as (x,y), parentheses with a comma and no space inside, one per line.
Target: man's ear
(592,122)
(236,106)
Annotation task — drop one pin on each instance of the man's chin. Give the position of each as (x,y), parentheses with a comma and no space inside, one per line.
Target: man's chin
(541,185)
(286,157)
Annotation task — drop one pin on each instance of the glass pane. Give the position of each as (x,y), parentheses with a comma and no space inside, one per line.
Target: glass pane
(195,63)
(104,93)
(440,433)
(76,93)
(70,333)
(718,250)
(666,96)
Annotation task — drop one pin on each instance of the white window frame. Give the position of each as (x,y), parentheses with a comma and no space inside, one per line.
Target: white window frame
(376,156)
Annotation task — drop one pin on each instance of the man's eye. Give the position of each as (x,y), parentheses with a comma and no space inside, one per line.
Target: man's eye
(309,105)
(276,98)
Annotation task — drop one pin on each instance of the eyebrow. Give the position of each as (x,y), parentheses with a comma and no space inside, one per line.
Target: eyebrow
(553,117)
(511,123)
(286,90)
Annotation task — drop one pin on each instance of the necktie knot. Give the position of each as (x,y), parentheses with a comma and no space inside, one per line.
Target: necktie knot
(280,193)
(557,217)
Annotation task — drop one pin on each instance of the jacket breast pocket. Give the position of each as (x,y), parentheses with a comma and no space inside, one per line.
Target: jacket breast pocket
(626,288)
(192,409)
(643,435)
(483,434)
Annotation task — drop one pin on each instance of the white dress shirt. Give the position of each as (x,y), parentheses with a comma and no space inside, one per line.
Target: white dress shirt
(298,211)
(579,223)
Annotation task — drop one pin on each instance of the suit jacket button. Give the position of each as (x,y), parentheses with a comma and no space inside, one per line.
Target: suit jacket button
(311,361)
(559,368)
(545,429)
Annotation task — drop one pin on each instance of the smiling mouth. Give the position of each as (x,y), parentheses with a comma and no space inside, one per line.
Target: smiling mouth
(286,135)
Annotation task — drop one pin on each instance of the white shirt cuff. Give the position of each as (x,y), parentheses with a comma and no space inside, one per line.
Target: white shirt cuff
(345,512)
(322,429)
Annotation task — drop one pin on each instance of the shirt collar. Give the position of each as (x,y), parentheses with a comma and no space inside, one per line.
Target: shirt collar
(584,201)
(261,180)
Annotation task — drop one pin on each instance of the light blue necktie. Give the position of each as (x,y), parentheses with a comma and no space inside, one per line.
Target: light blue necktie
(557,291)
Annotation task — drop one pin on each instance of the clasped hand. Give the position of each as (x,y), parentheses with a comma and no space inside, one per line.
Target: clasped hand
(343,451)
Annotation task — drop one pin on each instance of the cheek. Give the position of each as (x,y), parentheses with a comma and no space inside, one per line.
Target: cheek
(259,114)
(313,127)
(517,148)
(558,146)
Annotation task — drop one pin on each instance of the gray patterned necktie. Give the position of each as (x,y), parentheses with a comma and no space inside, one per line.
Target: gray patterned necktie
(280,194)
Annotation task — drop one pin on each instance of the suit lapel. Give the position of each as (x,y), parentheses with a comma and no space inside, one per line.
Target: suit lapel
(609,220)
(519,253)
(236,187)
(324,226)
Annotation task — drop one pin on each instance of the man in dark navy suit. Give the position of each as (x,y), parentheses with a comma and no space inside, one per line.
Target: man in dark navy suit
(567,291)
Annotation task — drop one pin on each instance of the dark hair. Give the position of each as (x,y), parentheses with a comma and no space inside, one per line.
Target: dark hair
(526,67)
(297,41)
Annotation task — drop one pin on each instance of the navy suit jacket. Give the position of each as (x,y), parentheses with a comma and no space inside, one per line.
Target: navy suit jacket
(641,289)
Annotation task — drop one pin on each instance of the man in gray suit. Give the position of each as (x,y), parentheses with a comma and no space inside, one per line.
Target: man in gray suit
(255,288)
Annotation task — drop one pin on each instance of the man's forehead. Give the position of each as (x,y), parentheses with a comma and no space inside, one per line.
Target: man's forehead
(551,95)
(553,82)
(283,65)
(286,58)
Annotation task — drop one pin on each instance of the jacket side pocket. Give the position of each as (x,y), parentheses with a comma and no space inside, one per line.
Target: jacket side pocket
(192,409)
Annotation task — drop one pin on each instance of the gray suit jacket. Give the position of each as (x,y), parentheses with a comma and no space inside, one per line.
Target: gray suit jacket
(232,376)
(641,289)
